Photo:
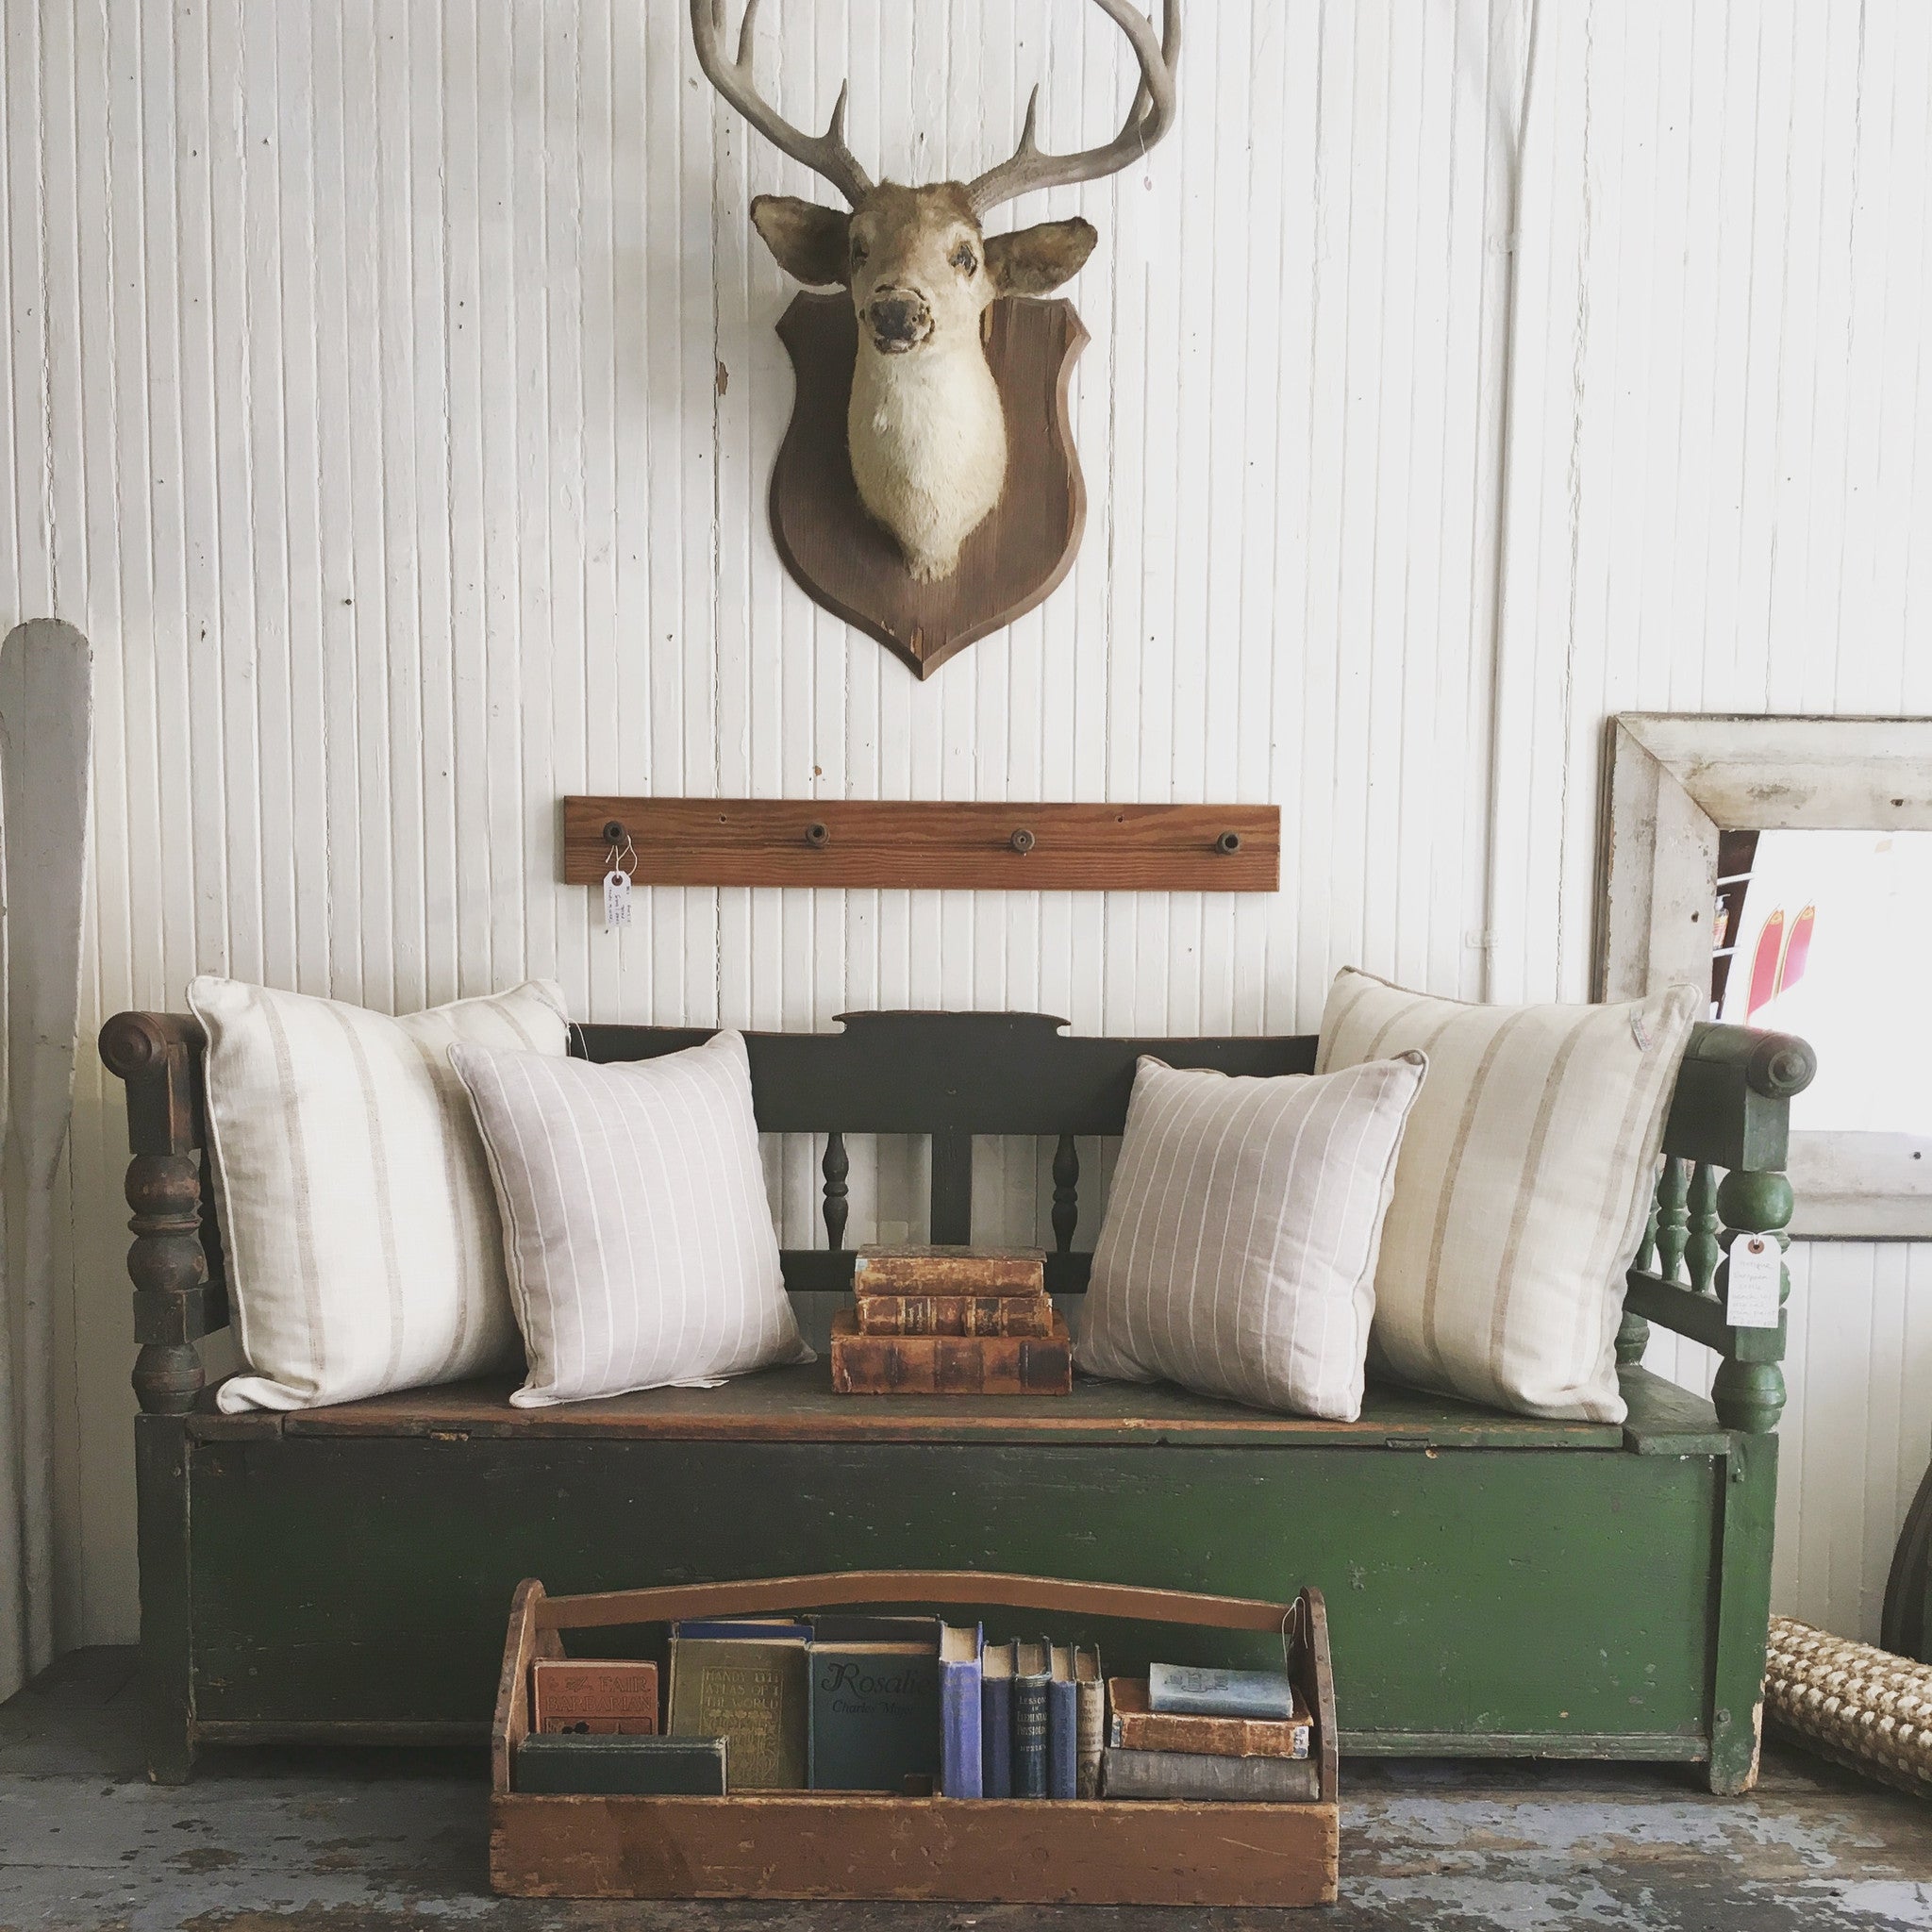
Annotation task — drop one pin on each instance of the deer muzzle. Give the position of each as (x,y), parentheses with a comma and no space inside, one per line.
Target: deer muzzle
(899,320)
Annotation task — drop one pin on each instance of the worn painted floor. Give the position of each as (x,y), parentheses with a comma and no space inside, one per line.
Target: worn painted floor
(361,1841)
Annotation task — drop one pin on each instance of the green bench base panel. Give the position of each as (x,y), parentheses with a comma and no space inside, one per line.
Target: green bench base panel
(1522,1601)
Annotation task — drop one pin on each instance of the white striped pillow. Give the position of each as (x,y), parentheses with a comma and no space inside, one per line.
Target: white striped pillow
(634,1224)
(1238,1257)
(1522,1188)
(360,1234)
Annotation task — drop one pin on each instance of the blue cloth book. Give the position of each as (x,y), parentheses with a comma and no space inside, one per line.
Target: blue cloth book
(1032,1674)
(962,1771)
(996,1720)
(1062,1725)
(1198,1690)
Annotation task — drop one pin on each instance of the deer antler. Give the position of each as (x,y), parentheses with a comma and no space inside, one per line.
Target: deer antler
(824,154)
(1148,119)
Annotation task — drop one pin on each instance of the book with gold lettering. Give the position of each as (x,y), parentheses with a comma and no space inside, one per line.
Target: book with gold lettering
(955,1314)
(939,1269)
(746,1680)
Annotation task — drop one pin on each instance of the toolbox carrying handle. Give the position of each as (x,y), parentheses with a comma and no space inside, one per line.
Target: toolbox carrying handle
(669,1602)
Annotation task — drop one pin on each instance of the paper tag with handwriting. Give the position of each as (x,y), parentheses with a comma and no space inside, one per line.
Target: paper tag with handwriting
(1756,1268)
(616,900)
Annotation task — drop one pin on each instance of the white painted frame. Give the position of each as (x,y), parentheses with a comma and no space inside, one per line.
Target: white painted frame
(1672,780)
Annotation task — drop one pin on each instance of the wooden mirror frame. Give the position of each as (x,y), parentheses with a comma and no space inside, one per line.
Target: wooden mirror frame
(1672,782)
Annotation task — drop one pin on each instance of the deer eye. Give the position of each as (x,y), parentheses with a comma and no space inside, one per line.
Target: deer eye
(963,258)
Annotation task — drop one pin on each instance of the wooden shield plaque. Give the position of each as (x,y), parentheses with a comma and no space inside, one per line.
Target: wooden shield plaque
(1014,559)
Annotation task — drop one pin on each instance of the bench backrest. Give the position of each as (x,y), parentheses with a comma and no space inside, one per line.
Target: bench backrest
(951,1077)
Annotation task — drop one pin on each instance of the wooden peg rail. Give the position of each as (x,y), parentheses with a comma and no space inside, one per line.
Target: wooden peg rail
(929,843)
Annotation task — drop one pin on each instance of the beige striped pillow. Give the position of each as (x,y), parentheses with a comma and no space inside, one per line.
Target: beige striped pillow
(636,1228)
(361,1233)
(1523,1187)
(1238,1257)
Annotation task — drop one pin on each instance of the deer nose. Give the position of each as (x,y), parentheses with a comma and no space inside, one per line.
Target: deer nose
(898,318)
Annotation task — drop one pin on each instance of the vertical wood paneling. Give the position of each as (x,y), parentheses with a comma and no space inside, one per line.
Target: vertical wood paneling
(391,395)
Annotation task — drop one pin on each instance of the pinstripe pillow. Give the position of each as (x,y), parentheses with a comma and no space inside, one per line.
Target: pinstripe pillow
(362,1246)
(1522,1189)
(634,1224)
(1238,1257)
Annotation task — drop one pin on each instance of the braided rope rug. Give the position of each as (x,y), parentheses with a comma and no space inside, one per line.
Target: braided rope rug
(1861,1707)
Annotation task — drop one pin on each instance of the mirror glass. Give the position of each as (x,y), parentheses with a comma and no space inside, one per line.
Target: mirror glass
(1828,935)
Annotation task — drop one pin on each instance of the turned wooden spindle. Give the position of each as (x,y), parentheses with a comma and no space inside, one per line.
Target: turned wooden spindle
(1066,1194)
(1751,1394)
(835,1167)
(168,1266)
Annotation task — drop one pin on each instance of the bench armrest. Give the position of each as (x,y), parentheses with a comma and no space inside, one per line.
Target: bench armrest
(175,1258)
(1725,1143)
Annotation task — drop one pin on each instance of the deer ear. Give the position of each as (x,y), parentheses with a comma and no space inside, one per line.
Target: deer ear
(1034,260)
(809,241)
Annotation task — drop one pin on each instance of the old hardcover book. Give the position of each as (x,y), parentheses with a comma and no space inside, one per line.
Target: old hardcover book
(940,1270)
(997,1720)
(607,1763)
(962,1758)
(1062,1724)
(1090,1688)
(608,1695)
(1135,1726)
(950,1364)
(955,1314)
(1032,1676)
(746,1680)
(1200,1691)
(874,1703)
(1210,1780)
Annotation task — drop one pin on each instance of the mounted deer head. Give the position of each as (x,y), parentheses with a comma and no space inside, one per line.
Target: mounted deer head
(925,430)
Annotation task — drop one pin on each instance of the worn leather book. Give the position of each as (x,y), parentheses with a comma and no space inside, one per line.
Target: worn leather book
(955,1314)
(616,1697)
(746,1680)
(925,1269)
(1136,1728)
(1210,1780)
(950,1364)
(604,1764)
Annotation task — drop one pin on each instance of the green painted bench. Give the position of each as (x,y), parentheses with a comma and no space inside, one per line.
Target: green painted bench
(1497,1585)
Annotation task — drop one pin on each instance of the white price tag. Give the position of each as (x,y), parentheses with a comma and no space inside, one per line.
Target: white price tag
(1757,1265)
(616,900)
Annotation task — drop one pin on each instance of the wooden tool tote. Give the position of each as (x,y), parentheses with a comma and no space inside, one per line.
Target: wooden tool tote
(835,1844)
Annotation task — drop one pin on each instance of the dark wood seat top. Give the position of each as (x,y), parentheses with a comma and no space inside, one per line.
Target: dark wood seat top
(797,1405)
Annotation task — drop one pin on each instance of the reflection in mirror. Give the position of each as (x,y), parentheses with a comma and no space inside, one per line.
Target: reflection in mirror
(1828,935)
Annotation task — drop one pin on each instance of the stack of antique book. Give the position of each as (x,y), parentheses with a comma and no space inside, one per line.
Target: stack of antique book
(951,1321)
(1193,1733)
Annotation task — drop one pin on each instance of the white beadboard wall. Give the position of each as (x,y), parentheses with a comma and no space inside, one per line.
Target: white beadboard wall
(391,397)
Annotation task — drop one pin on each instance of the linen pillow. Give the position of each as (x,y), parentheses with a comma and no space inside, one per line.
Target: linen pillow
(1522,1188)
(1237,1256)
(638,1239)
(360,1229)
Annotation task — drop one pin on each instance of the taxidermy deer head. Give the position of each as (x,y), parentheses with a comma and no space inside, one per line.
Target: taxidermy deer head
(925,430)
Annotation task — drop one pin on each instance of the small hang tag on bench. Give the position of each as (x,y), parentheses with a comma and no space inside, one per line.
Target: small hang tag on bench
(616,899)
(1751,1298)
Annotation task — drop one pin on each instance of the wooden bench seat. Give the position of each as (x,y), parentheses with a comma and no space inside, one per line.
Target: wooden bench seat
(1496,1585)
(797,1405)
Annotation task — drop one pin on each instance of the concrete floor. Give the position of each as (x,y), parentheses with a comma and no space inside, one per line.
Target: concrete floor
(361,1841)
